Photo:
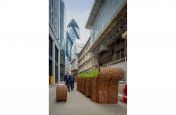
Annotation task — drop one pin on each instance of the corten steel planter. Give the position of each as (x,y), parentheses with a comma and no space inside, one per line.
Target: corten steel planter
(78,82)
(85,80)
(61,93)
(113,92)
(104,88)
(87,87)
(93,88)
(83,85)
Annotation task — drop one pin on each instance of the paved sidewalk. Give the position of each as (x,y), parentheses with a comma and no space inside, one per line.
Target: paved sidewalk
(78,104)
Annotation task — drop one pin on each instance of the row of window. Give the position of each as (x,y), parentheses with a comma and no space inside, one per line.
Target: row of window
(86,57)
(113,54)
(51,50)
(51,61)
(83,56)
(91,63)
(54,15)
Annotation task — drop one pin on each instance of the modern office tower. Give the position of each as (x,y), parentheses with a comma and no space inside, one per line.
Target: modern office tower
(54,47)
(62,40)
(71,35)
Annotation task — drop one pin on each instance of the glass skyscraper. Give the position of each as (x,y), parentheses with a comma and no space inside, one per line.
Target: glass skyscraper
(71,35)
(54,47)
(62,40)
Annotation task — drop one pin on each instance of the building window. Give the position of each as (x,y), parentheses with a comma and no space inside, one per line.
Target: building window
(56,55)
(50,46)
(56,74)
(118,55)
(50,68)
(123,53)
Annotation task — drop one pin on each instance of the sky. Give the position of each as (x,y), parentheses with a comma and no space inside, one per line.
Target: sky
(79,10)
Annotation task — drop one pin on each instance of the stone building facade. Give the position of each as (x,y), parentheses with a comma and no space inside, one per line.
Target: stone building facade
(86,60)
(108,39)
(76,48)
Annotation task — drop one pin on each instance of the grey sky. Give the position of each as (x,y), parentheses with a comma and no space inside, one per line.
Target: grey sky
(79,10)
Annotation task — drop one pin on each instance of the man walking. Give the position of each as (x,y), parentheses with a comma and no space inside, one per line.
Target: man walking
(72,81)
(67,81)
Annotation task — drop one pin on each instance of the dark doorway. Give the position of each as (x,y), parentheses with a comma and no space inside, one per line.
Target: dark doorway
(50,68)
(56,74)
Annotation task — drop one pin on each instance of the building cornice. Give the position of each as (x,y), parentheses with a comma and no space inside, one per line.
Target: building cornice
(104,33)
(96,6)
(79,55)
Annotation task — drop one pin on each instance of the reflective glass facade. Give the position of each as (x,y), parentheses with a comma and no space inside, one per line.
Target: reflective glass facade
(71,35)
(62,40)
(54,35)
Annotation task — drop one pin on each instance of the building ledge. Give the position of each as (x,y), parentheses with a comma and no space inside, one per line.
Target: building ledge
(96,6)
(110,26)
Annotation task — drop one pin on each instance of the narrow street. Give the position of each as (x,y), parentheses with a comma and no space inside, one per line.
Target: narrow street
(78,104)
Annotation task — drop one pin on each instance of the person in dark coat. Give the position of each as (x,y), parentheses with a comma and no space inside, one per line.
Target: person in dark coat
(72,81)
(67,81)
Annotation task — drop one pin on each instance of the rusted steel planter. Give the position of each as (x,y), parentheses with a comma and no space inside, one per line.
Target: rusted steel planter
(78,84)
(61,93)
(93,89)
(87,87)
(83,85)
(104,88)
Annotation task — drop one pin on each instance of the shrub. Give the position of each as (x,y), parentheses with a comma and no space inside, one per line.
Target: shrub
(92,73)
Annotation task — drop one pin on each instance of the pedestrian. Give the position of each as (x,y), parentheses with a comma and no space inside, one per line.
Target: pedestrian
(72,81)
(67,81)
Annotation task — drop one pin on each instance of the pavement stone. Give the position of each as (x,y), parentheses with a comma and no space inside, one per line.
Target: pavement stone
(78,104)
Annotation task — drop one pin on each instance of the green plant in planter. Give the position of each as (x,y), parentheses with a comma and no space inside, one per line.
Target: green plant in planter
(92,73)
